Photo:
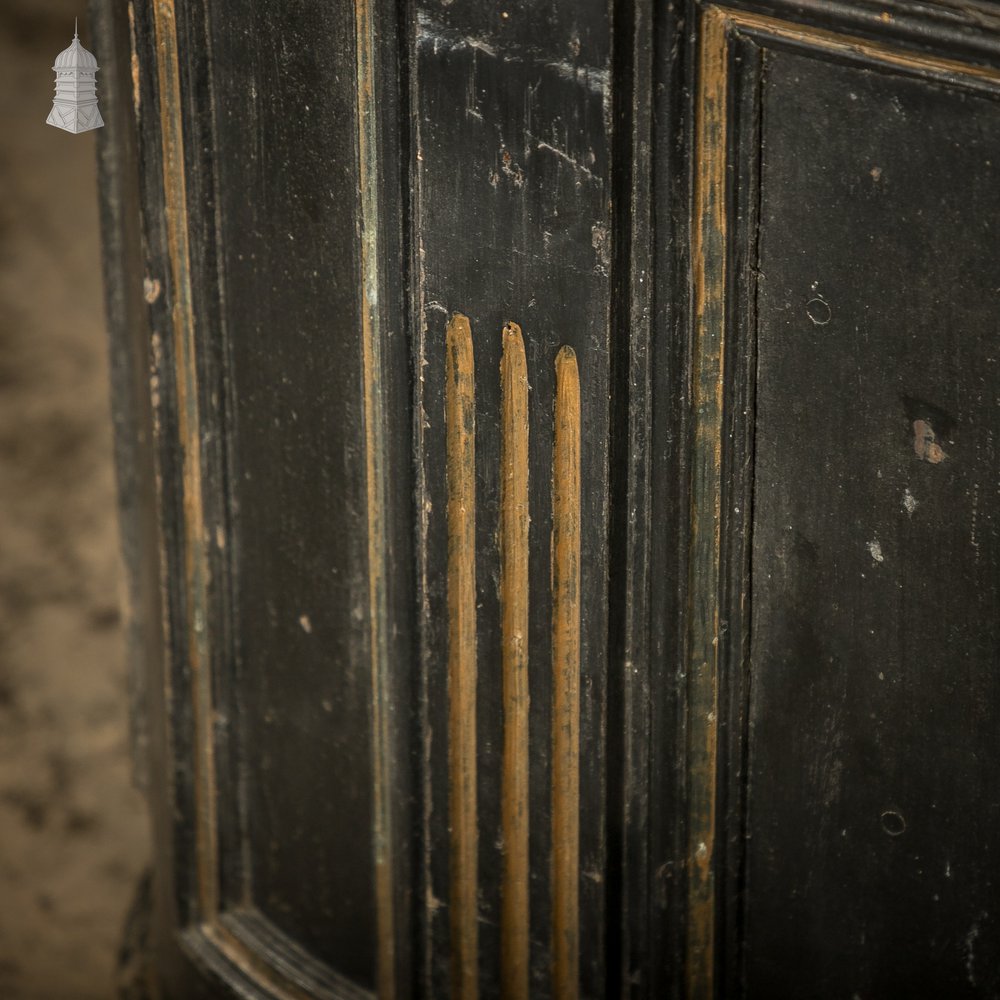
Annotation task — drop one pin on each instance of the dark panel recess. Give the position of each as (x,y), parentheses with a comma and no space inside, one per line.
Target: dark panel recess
(287,135)
(873,814)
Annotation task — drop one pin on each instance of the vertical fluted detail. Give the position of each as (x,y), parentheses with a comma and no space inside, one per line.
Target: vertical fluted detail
(514,520)
(460,430)
(566,679)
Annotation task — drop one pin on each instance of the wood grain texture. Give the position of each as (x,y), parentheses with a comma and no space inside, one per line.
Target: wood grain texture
(301,582)
(189,435)
(527,146)
(375,484)
(837,43)
(791,630)
(252,964)
(638,64)
(662,206)
(708,256)
(460,428)
(514,520)
(873,739)
(127,310)
(297,307)
(566,572)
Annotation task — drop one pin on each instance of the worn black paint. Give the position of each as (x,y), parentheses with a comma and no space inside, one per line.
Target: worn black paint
(536,168)
(512,198)
(287,181)
(872,821)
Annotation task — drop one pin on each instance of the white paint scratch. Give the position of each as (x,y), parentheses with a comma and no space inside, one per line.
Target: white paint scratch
(563,155)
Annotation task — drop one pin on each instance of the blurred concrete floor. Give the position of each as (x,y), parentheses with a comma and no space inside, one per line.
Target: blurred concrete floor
(73,833)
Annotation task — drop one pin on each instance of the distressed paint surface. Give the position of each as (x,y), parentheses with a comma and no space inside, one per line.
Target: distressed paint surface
(510,164)
(195,611)
(708,256)
(512,115)
(460,426)
(372,334)
(874,631)
(566,572)
(303,384)
(514,521)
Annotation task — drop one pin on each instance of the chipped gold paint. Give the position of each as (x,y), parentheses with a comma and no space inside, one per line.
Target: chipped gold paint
(566,680)
(708,255)
(374,406)
(134,59)
(252,964)
(514,909)
(460,431)
(188,425)
(925,444)
(832,41)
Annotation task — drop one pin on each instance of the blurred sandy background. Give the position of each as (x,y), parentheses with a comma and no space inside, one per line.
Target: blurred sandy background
(73,834)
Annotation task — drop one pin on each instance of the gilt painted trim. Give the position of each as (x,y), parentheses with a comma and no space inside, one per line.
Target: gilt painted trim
(460,431)
(375,479)
(196,572)
(514,520)
(566,680)
(847,45)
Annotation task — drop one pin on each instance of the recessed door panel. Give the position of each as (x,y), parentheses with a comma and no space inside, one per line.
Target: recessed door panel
(876,544)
